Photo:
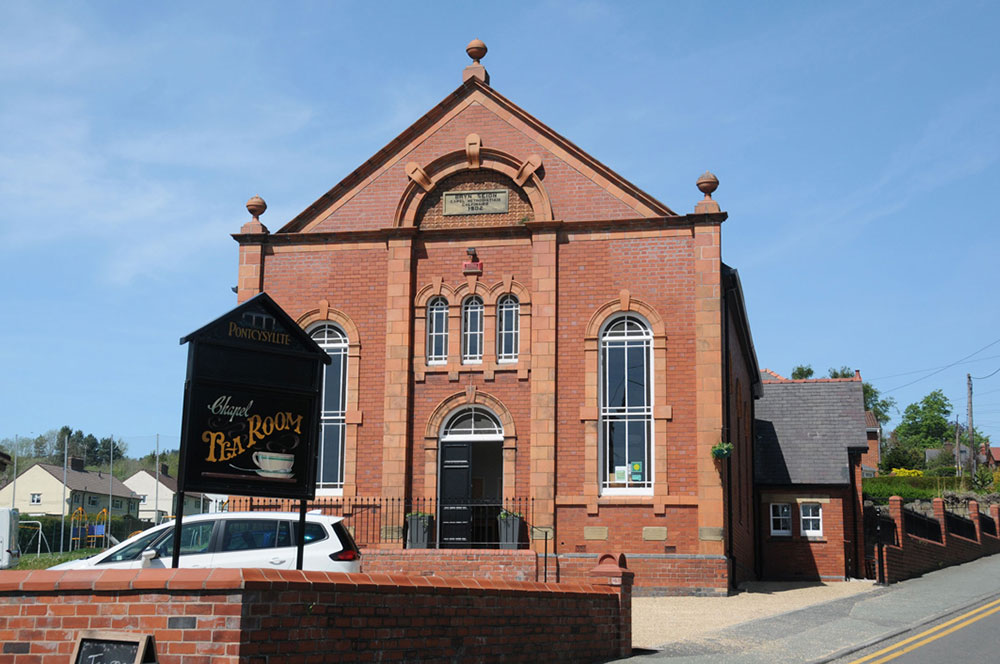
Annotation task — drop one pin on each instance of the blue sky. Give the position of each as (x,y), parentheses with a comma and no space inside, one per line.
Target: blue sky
(856,144)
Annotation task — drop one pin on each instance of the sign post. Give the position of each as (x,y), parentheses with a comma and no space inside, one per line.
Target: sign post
(251,409)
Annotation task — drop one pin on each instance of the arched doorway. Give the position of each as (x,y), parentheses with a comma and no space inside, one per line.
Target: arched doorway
(471,472)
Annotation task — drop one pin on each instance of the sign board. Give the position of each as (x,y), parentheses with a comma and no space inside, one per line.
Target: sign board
(252,405)
(491,201)
(96,647)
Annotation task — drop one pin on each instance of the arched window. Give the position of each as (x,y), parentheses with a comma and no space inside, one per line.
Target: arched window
(626,413)
(472,330)
(437,331)
(508,328)
(473,423)
(330,474)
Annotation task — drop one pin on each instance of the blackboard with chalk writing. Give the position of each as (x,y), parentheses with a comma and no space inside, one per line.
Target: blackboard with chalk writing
(114,648)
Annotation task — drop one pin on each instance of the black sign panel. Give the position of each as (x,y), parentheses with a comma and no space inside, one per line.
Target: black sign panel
(114,648)
(251,405)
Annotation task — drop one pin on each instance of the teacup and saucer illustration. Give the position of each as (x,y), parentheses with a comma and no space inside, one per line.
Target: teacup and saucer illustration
(274,465)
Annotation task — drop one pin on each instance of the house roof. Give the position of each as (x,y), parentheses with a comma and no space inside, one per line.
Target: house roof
(995,453)
(871,422)
(167,481)
(805,428)
(89,481)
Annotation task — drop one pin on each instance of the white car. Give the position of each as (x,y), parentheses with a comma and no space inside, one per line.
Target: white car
(235,539)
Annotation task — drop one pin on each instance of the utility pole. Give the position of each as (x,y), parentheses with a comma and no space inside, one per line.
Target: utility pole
(972,436)
(13,488)
(958,448)
(156,489)
(62,529)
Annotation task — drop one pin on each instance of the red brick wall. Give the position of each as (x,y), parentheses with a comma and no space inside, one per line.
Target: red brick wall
(230,616)
(491,564)
(739,469)
(657,575)
(870,458)
(915,556)
(795,557)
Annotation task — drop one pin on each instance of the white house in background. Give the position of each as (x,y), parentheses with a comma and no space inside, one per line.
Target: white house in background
(39,491)
(156,505)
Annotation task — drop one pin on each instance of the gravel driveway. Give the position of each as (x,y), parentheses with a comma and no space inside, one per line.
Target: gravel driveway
(660,620)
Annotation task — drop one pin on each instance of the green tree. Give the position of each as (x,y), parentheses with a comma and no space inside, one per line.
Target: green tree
(898,456)
(925,424)
(802,371)
(842,372)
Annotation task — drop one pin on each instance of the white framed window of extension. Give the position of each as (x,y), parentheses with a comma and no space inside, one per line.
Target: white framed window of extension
(781,519)
(812,519)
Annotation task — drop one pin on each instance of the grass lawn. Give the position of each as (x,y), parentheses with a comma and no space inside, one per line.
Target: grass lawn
(32,561)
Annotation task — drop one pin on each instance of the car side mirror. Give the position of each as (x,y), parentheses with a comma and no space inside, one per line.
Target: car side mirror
(147,557)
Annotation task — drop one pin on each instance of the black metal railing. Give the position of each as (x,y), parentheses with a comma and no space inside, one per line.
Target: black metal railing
(918,525)
(959,525)
(987,525)
(417,522)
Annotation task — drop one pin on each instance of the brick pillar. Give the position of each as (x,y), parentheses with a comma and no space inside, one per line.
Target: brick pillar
(608,572)
(995,514)
(708,386)
(896,512)
(974,516)
(938,504)
(399,312)
(250,279)
(543,378)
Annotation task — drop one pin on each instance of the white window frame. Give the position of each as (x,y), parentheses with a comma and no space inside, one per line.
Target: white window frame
(36,499)
(142,499)
(473,318)
(635,332)
(508,327)
(811,524)
(116,504)
(437,328)
(332,339)
(493,432)
(92,501)
(781,519)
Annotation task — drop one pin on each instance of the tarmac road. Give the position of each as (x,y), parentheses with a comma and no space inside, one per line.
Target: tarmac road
(850,628)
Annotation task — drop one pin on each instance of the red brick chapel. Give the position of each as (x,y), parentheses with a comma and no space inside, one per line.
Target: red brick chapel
(513,323)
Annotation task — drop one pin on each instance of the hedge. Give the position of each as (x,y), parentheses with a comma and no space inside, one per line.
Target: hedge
(879,489)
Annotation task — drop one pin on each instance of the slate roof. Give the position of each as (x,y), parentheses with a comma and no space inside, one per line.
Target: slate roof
(804,429)
(870,420)
(89,481)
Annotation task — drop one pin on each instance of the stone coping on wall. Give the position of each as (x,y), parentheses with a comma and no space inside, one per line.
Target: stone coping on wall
(145,580)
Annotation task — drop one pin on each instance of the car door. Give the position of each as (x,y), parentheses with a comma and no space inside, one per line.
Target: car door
(262,543)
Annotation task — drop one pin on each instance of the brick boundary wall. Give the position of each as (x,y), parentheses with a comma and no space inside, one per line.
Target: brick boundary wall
(915,555)
(254,616)
(655,574)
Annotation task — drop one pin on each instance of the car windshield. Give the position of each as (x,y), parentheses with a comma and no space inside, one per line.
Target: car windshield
(132,551)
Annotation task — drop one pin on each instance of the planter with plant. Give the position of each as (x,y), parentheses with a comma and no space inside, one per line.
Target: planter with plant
(509,524)
(722,450)
(418,530)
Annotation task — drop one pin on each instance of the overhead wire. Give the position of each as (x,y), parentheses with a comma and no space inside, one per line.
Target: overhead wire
(933,373)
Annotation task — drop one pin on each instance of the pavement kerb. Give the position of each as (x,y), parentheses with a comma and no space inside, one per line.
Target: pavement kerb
(844,652)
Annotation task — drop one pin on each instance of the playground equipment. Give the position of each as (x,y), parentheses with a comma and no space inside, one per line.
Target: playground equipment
(36,527)
(100,531)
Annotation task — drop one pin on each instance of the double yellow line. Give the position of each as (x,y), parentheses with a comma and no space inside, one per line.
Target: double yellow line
(932,634)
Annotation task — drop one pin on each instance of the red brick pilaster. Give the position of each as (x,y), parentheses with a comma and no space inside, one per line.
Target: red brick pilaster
(974,515)
(609,572)
(399,312)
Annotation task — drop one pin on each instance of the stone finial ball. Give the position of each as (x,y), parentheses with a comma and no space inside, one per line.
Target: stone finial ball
(476,49)
(708,183)
(256,206)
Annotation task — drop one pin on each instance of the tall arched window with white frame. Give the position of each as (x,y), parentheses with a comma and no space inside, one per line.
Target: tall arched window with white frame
(626,405)
(508,328)
(472,330)
(330,472)
(437,331)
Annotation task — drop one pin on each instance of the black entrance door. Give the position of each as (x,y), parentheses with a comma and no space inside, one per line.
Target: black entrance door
(456,494)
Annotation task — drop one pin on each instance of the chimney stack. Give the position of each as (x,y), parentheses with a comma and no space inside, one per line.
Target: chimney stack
(163,470)
(76,463)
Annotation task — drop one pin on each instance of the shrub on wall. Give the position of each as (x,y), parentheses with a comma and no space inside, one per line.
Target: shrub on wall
(879,489)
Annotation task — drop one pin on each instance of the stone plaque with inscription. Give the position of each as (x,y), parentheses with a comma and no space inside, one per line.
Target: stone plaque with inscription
(491,201)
